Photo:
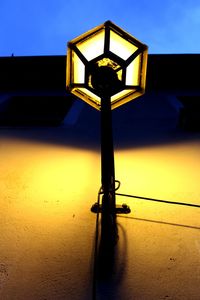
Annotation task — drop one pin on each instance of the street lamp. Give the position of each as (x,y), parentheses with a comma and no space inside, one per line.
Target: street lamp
(106,67)
(106,53)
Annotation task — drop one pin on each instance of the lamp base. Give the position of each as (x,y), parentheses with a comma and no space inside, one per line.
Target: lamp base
(119,209)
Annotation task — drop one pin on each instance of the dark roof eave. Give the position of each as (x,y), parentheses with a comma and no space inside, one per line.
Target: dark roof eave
(164,72)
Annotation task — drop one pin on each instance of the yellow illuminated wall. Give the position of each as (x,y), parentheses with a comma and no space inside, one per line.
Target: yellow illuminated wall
(46,194)
(169,172)
(47,229)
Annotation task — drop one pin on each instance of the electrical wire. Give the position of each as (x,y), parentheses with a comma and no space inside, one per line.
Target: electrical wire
(119,184)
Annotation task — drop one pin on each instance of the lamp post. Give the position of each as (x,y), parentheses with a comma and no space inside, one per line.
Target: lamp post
(106,67)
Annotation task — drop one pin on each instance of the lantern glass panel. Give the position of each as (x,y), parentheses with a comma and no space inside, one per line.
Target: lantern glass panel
(133,72)
(120,95)
(92,46)
(79,69)
(120,46)
(91,95)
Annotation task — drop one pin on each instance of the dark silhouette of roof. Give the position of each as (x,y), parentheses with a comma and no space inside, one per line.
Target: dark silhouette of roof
(32,89)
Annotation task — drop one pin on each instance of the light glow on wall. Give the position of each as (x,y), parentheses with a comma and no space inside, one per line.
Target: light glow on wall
(168,172)
(45,218)
(48,181)
(47,229)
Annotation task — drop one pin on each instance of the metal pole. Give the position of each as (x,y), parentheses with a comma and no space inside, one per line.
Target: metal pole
(107,157)
(108,217)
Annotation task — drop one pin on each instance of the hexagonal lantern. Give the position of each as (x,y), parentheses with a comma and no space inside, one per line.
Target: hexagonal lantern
(119,53)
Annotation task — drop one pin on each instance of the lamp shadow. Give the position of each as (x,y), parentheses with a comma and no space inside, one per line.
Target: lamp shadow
(109,271)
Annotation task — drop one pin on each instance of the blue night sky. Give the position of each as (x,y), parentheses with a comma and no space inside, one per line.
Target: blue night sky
(43,27)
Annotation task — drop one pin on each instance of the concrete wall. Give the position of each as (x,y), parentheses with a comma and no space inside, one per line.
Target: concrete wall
(49,178)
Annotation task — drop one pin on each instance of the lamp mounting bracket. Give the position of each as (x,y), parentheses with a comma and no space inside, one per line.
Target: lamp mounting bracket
(119,209)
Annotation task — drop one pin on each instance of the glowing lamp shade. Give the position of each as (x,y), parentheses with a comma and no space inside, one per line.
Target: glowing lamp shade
(108,46)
